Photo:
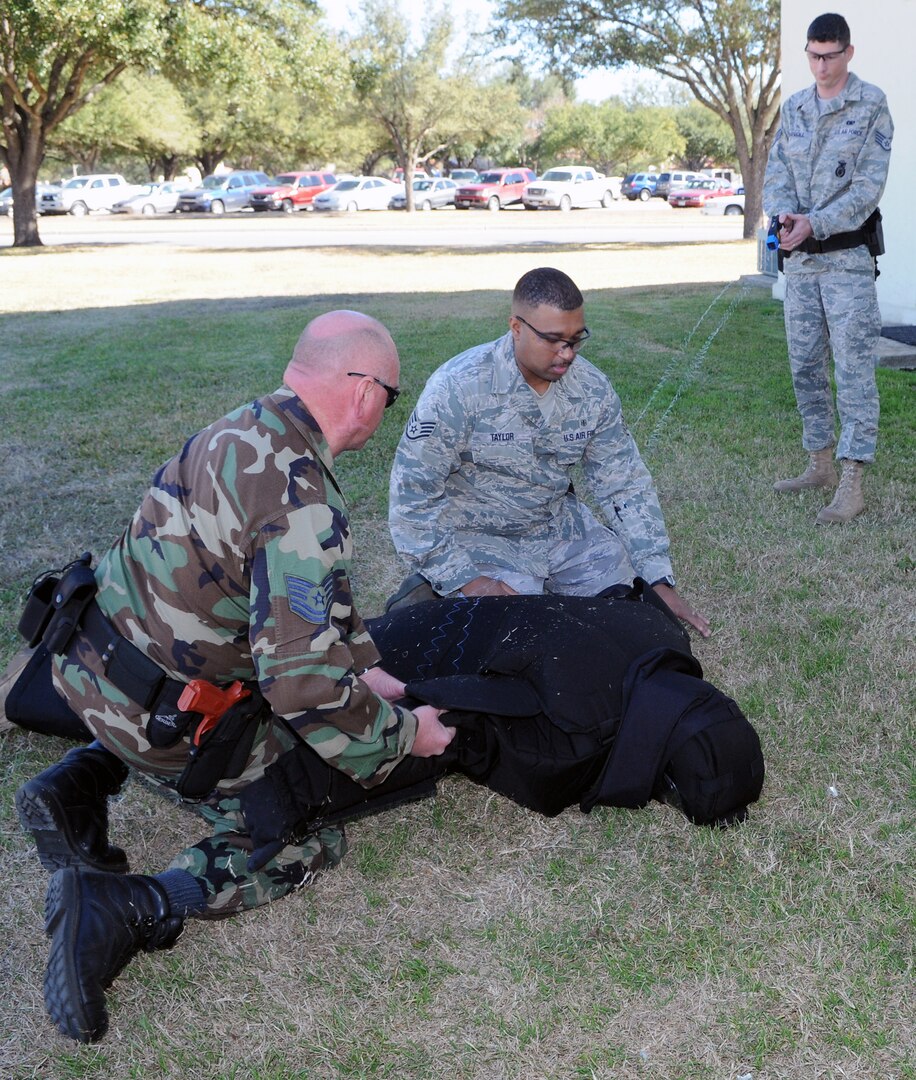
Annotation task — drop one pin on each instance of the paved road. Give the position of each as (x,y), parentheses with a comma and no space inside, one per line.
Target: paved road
(653,222)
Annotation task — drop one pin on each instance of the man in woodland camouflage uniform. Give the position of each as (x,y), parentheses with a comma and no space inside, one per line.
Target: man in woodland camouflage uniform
(236,567)
(481,500)
(825,175)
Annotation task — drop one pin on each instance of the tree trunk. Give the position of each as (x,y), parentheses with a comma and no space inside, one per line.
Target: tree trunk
(24,157)
(168,166)
(209,159)
(753,195)
(406,162)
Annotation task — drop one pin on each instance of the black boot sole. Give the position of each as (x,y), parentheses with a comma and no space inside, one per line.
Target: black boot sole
(63,993)
(42,814)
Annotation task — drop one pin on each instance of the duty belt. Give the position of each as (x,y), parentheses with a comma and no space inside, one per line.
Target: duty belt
(61,609)
(126,667)
(61,612)
(839,242)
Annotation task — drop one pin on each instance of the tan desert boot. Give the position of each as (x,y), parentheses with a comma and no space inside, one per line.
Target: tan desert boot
(848,500)
(819,474)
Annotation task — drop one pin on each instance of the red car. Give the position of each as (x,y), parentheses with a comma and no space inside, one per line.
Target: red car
(495,188)
(698,191)
(291,191)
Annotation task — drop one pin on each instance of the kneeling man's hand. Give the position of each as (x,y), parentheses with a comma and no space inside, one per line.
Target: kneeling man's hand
(682,609)
(432,736)
(380,682)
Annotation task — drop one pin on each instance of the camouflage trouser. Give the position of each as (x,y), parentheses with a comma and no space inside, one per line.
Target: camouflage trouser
(836,310)
(581,557)
(219,861)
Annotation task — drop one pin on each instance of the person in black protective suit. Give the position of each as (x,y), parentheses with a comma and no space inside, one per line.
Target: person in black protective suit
(557,701)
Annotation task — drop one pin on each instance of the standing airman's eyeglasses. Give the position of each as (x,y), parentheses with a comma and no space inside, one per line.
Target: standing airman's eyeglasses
(827,57)
(393,392)
(556,339)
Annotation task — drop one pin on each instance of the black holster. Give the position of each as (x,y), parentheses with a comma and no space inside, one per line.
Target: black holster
(224,751)
(300,794)
(56,604)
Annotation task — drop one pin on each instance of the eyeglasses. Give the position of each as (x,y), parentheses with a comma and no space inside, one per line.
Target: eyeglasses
(393,392)
(827,57)
(555,339)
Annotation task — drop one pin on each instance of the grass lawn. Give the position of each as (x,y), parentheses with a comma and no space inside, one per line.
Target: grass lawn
(464,937)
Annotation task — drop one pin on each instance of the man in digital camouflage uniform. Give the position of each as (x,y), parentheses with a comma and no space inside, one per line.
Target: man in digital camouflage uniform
(481,500)
(236,567)
(825,175)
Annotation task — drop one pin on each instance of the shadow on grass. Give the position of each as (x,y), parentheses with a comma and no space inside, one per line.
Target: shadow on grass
(466,300)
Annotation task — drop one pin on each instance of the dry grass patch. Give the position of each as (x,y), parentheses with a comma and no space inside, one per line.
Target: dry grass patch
(463,936)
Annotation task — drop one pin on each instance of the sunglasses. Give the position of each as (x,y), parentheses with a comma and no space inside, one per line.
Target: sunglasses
(393,392)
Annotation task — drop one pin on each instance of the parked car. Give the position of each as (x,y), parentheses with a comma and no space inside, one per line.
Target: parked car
(614,184)
(223,193)
(418,174)
(495,188)
(639,186)
(85,194)
(698,191)
(671,181)
(152,199)
(6,197)
(428,194)
(292,191)
(464,176)
(725,204)
(358,193)
(566,186)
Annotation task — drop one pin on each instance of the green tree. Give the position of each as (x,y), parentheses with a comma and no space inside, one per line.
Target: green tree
(250,89)
(725,53)
(493,124)
(708,140)
(403,85)
(140,116)
(55,56)
(650,134)
(611,136)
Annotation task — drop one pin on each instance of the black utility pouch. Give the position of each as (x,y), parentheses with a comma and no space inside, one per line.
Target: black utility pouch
(874,233)
(224,750)
(133,673)
(39,607)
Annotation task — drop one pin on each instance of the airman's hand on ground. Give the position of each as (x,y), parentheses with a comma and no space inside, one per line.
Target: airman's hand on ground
(487,586)
(682,609)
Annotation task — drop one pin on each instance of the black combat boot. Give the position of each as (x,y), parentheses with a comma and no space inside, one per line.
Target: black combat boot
(66,810)
(97,923)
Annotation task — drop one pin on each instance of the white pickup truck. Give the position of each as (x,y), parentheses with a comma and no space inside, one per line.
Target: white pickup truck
(83,194)
(566,186)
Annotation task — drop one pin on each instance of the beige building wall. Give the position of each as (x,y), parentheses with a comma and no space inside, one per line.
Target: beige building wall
(882,31)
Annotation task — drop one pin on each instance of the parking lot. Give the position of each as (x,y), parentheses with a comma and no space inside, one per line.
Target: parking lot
(652,222)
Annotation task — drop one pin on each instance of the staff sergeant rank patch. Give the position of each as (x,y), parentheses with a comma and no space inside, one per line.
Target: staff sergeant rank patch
(308,600)
(419,429)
